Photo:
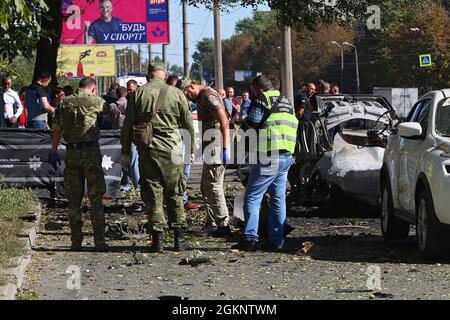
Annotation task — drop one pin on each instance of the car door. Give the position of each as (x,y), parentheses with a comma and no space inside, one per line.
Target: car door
(410,151)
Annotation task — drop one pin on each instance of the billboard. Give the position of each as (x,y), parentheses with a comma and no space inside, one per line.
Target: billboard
(115,21)
(82,61)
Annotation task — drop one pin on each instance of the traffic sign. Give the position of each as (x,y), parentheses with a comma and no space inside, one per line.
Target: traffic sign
(425,60)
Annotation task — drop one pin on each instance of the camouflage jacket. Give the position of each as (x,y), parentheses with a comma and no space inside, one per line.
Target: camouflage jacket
(208,102)
(76,117)
(171,117)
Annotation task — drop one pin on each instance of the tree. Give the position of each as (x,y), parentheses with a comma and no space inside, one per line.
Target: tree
(19,70)
(256,47)
(176,70)
(301,13)
(49,40)
(390,57)
(205,56)
(20,26)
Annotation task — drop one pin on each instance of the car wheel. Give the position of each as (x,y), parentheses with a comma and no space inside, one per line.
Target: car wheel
(433,241)
(392,227)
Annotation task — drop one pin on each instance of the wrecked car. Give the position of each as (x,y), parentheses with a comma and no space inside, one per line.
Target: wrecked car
(341,149)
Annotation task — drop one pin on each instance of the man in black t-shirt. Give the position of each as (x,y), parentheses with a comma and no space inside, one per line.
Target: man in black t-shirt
(37,101)
(301,102)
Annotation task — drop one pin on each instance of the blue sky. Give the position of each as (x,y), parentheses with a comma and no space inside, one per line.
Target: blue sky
(201,25)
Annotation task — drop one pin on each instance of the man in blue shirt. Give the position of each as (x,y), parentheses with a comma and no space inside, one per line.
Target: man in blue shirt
(245,105)
(103,25)
(227,102)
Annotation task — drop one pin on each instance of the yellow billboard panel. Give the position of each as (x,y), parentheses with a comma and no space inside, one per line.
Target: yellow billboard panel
(83,61)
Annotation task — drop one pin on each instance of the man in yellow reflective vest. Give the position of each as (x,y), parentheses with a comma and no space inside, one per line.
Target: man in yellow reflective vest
(273,118)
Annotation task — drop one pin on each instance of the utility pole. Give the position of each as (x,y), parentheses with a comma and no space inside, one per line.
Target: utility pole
(287,82)
(217,47)
(149,53)
(131,58)
(125,62)
(118,61)
(164,53)
(185,39)
(139,58)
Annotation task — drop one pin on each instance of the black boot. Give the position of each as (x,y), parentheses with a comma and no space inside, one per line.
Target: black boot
(181,243)
(222,232)
(76,235)
(98,226)
(157,242)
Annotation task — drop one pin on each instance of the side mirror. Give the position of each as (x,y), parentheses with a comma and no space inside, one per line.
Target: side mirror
(410,130)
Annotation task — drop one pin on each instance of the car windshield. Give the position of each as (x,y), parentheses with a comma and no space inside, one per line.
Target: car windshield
(443,119)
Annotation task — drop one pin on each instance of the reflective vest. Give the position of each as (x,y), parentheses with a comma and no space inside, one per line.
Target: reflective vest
(279,132)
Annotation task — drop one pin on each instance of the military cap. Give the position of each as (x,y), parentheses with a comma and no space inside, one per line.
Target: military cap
(183,83)
(157,66)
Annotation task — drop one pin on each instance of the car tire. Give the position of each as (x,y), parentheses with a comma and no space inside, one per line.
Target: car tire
(392,227)
(432,240)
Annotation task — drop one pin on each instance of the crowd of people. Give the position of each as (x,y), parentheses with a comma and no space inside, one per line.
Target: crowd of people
(149,118)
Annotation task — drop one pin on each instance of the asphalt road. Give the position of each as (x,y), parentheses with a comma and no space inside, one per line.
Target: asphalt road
(349,260)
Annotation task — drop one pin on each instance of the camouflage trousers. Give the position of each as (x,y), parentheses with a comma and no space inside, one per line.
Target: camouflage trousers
(84,165)
(214,195)
(162,180)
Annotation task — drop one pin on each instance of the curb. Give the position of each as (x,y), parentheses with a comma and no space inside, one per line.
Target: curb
(9,291)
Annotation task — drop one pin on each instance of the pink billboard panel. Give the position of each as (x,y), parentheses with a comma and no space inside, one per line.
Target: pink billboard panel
(115,21)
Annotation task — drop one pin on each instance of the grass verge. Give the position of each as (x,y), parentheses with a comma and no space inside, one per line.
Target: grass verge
(14,203)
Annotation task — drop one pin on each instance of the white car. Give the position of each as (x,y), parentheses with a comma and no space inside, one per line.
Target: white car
(415,177)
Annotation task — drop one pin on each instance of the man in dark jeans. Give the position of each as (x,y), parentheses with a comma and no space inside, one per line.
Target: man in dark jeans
(37,101)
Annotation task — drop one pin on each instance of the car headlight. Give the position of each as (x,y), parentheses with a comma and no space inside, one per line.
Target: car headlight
(446,148)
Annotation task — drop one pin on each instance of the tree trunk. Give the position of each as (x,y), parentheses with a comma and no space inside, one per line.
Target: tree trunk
(48,44)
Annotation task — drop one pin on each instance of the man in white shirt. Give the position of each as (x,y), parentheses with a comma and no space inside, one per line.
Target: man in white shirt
(12,108)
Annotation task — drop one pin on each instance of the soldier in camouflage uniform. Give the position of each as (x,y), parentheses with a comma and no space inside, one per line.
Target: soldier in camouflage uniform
(216,152)
(76,120)
(160,163)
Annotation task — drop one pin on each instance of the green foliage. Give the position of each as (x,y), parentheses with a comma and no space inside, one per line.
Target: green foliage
(19,69)
(176,70)
(301,13)
(19,26)
(390,57)
(205,54)
(13,204)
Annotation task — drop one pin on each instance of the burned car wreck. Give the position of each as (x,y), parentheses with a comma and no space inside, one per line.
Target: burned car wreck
(340,150)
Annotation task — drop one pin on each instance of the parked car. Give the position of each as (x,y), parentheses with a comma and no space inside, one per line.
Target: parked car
(341,150)
(415,178)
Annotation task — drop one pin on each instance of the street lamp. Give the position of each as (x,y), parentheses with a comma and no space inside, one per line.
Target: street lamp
(358,87)
(342,63)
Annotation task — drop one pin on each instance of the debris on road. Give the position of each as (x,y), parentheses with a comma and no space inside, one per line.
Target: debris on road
(381,295)
(141,258)
(194,262)
(172,298)
(121,230)
(353,290)
(307,248)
